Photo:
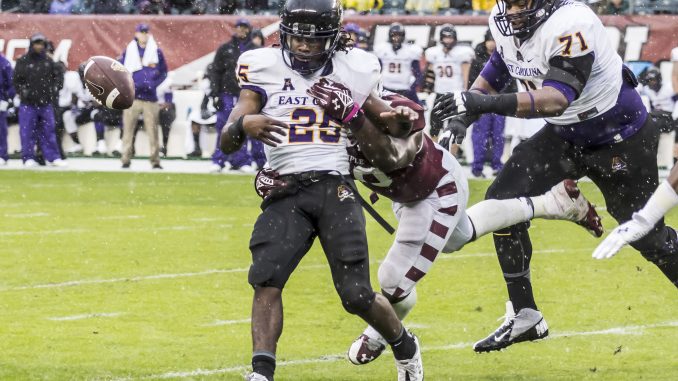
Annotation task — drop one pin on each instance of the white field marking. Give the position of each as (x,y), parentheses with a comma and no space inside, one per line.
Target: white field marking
(339,357)
(85,316)
(129,217)
(217,323)
(26,215)
(41,232)
(140,278)
(146,229)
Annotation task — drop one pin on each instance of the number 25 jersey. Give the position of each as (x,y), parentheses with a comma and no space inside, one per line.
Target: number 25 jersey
(314,141)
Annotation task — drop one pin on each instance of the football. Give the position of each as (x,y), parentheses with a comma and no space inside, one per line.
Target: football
(109,82)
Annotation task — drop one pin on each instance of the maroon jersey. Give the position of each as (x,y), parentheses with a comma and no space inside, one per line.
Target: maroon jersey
(412,183)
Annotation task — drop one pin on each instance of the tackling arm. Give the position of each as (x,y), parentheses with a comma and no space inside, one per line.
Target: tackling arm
(396,127)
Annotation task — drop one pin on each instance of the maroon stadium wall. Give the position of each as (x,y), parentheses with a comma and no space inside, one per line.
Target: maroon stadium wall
(185,39)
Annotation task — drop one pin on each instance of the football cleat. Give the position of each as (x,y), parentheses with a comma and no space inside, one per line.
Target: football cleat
(254,376)
(570,204)
(526,325)
(58,163)
(30,163)
(365,350)
(411,369)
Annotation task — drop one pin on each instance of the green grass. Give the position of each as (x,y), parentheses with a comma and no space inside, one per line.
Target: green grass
(114,232)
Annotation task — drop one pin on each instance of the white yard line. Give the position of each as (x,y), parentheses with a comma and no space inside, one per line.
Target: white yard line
(217,323)
(26,215)
(225,271)
(624,330)
(85,316)
(41,232)
(146,229)
(129,217)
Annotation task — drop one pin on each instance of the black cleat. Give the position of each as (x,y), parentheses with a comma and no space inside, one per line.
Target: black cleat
(125,165)
(527,325)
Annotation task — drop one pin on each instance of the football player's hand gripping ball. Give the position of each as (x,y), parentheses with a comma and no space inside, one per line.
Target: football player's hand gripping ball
(266,181)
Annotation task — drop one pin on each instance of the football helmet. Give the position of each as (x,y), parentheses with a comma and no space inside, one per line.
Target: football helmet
(527,20)
(651,77)
(396,30)
(447,30)
(311,19)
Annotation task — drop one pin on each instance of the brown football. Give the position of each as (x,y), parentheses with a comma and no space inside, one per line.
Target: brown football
(109,82)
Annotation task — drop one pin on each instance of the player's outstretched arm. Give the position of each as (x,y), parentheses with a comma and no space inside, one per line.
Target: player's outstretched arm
(246,120)
(661,201)
(374,107)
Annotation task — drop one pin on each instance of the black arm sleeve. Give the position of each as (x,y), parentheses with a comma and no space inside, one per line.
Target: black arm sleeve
(572,71)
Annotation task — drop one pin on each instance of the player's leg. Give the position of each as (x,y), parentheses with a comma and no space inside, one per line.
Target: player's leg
(481,132)
(535,166)
(195,130)
(151,111)
(626,173)
(218,157)
(281,236)
(341,231)
(47,133)
(28,119)
(4,156)
(129,123)
(497,142)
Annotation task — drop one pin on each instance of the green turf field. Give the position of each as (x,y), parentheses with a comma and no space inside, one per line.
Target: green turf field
(144,276)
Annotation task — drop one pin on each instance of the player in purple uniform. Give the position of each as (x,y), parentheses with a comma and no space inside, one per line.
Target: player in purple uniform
(596,126)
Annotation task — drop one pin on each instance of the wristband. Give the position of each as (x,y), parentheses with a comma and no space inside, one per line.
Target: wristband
(351,114)
(478,89)
(661,201)
(357,121)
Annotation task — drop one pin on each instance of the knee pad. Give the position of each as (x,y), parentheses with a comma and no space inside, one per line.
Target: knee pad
(261,274)
(356,299)
(390,277)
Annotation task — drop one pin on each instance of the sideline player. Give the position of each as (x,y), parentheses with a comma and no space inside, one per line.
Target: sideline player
(306,150)
(597,126)
(447,68)
(430,193)
(400,63)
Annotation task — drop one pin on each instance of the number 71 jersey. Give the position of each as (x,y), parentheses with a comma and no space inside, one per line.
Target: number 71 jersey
(314,141)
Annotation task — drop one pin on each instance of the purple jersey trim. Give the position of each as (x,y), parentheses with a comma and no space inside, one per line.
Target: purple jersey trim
(258,90)
(565,89)
(620,122)
(495,72)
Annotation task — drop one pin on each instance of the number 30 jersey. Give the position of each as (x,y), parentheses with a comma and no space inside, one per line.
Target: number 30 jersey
(412,183)
(314,140)
(447,67)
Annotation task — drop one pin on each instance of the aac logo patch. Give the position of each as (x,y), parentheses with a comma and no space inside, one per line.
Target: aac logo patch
(619,165)
(288,85)
(344,192)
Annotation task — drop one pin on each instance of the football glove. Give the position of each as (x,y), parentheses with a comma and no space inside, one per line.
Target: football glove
(266,181)
(450,105)
(455,131)
(622,235)
(335,99)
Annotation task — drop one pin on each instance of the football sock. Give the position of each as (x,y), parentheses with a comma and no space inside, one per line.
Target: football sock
(491,215)
(264,363)
(196,140)
(404,346)
(514,250)
(74,137)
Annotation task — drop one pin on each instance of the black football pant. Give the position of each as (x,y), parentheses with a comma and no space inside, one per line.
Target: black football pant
(626,174)
(323,207)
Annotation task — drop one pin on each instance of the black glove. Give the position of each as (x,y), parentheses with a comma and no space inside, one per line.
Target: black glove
(449,105)
(455,131)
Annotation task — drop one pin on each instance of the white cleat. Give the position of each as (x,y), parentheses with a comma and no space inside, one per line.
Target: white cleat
(247,169)
(76,148)
(30,163)
(411,369)
(3,162)
(365,349)
(526,325)
(254,376)
(59,163)
(101,147)
(215,168)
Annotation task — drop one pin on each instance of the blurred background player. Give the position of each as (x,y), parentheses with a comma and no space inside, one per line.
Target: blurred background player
(225,90)
(6,99)
(258,40)
(400,71)
(144,59)
(447,68)
(37,80)
(206,115)
(660,104)
(488,130)
(70,94)
(167,111)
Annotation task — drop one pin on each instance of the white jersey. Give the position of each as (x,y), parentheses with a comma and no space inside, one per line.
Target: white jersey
(572,30)
(72,86)
(674,54)
(314,140)
(447,67)
(396,71)
(659,100)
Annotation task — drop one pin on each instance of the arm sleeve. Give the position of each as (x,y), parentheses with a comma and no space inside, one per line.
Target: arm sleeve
(495,72)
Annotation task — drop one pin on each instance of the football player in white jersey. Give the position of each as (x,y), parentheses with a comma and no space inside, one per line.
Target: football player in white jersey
(447,68)
(596,126)
(400,71)
(306,151)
